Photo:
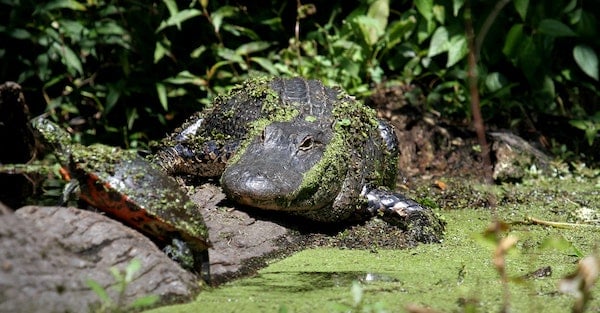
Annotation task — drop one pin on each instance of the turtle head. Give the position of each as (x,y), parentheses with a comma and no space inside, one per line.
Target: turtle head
(52,134)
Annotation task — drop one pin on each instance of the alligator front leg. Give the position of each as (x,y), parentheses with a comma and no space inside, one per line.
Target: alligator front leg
(395,208)
(204,160)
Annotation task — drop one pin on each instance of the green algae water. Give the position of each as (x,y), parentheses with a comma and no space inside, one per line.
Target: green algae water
(457,275)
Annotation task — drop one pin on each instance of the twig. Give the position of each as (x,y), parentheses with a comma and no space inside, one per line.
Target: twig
(475,102)
(537,221)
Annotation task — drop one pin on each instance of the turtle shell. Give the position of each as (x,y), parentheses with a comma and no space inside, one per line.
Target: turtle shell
(136,192)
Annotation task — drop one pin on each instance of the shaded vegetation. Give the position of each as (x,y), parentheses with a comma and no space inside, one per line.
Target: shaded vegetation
(125,73)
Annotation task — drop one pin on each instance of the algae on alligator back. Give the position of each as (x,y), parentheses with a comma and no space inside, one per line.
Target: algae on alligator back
(455,276)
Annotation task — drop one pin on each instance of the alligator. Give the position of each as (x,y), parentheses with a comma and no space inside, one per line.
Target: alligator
(296,146)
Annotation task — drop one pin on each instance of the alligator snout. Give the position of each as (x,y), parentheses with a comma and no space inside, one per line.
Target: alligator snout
(259,188)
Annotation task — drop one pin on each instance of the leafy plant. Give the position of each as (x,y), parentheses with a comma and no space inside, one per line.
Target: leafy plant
(86,58)
(359,304)
(127,73)
(123,279)
(590,125)
(581,282)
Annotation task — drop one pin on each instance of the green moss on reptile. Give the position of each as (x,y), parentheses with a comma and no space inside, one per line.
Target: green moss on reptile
(354,124)
(319,180)
(162,202)
(359,124)
(100,158)
(271,106)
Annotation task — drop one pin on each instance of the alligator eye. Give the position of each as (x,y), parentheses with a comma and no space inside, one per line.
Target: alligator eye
(306,143)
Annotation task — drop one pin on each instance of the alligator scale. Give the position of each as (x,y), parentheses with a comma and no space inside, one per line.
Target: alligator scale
(297,146)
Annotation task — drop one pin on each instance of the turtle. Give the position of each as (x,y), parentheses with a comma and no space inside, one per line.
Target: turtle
(134,191)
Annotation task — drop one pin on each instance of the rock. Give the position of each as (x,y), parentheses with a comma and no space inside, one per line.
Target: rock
(4,209)
(241,243)
(514,157)
(245,241)
(47,255)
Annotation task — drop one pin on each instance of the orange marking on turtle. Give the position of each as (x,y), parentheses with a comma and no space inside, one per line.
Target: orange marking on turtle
(120,206)
(64,172)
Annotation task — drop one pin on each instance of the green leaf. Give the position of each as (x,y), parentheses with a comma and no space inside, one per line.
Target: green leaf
(132,268)
(239,31)
(161,90)
(521,8)
(400,30)
(71,29)
(132,115)
(513,41)
(528,59)
(99,291)
(369,29)
(587,25)
(19,33)
(357,293)
(310,118)
(580,124)
(198,52)
(439,13)
(220,14)
(110,28)
(555,28)
(113,95)
(589,127)
(185,77)
(213,69)
(252,47)
(230,55)
(144,301)
(159,52)
(69,59)
(587,60)
(61,4)
(495,81)
(180,17)
(425,7)
(548,87)
(171,6)
(266,64)
(439,42)
(570,6)
(379,11)
(344,122)
(457,49)
(422,31)
(456,6)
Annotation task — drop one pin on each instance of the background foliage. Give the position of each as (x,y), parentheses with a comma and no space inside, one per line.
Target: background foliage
(126,72)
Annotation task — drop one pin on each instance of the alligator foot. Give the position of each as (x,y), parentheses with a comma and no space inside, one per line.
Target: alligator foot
(421,222)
